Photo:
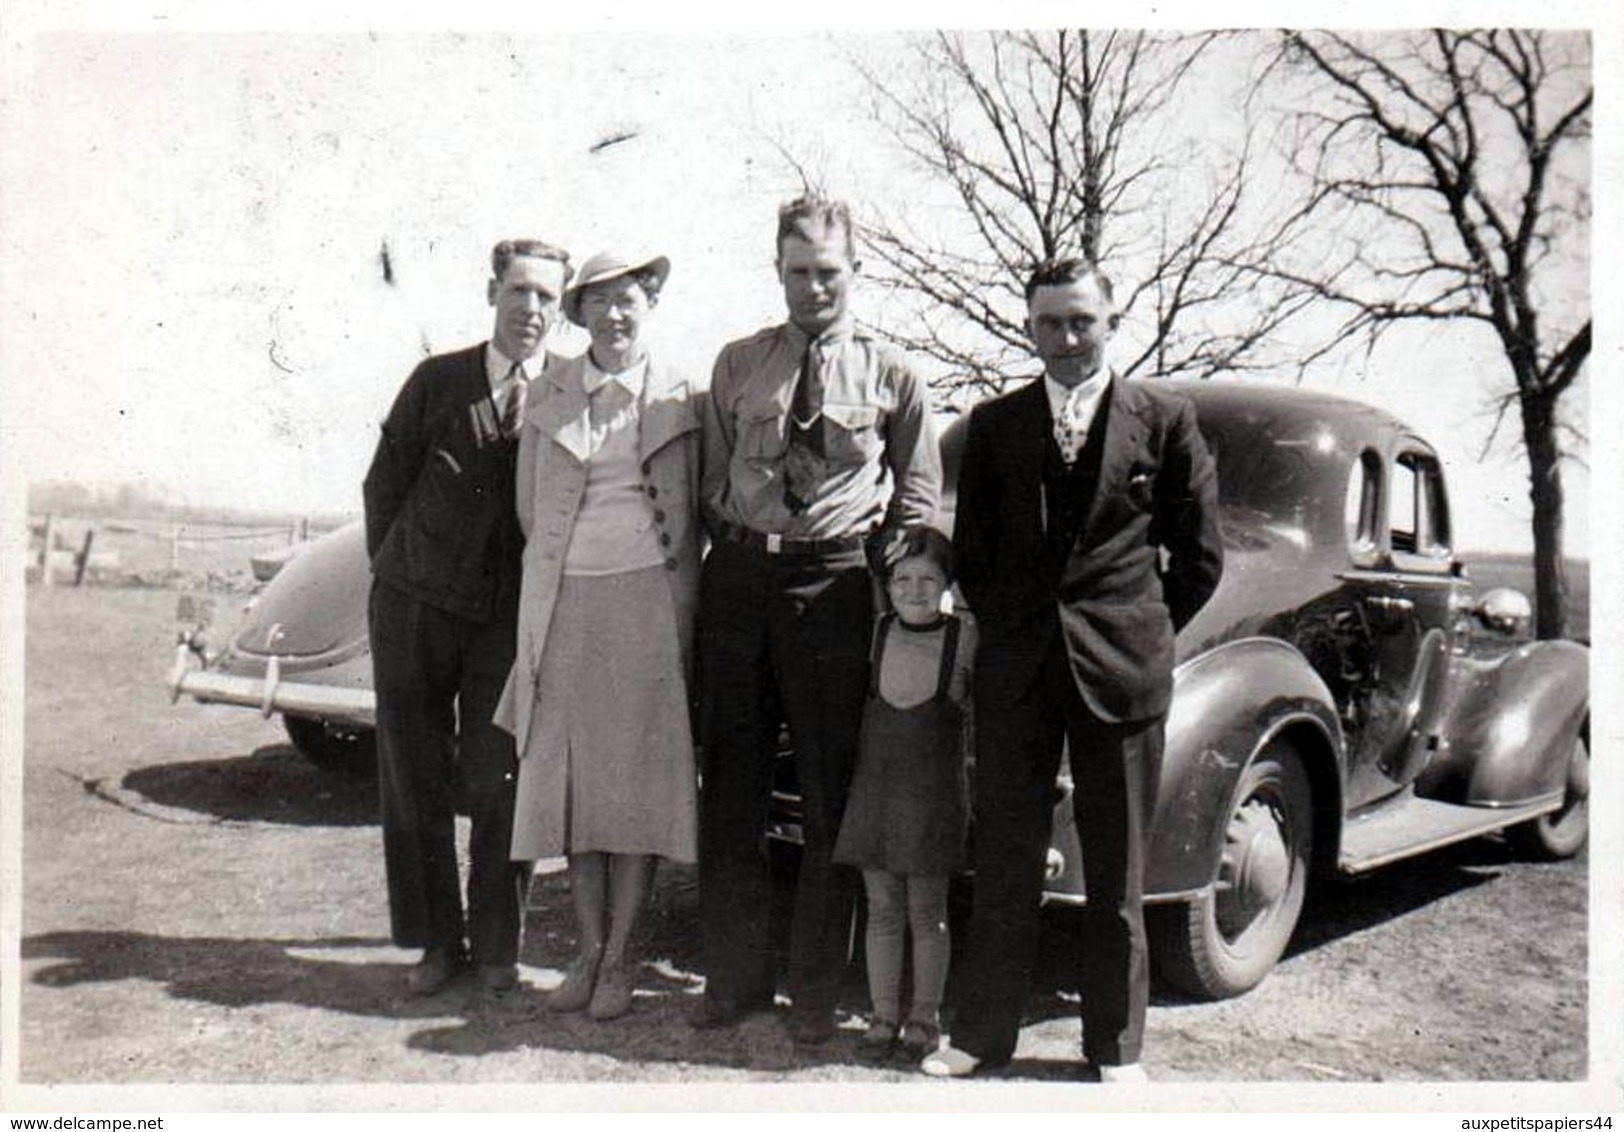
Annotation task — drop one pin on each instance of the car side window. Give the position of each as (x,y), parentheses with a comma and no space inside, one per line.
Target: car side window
(1363,507)
(1418,512)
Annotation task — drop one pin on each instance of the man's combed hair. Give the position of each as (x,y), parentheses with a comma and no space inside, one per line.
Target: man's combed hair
(1073,269)
(506,251)
(810,215)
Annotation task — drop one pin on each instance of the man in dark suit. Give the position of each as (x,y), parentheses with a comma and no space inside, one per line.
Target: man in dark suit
(1087,535)
(445,545)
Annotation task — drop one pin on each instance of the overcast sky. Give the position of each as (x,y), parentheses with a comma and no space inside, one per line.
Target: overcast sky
(196,297)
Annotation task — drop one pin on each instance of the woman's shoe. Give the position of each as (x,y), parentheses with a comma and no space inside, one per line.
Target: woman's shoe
(575,992)
(612,997)
(878,1042)
(919,1039)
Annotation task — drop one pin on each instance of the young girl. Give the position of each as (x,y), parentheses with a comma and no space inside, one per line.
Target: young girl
(906,816)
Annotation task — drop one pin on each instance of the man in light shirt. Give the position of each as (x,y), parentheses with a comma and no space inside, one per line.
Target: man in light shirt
(818,452)
(444,540)
(1074,488)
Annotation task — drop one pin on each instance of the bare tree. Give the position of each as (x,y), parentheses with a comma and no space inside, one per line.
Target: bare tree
(1447,177)
(1069,143)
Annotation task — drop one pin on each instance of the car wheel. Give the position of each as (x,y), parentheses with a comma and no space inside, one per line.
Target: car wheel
(1561,833)
(1224,942)
(349,752)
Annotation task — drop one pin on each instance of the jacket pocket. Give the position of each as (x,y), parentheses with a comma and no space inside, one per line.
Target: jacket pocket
(440,508)
(761,437)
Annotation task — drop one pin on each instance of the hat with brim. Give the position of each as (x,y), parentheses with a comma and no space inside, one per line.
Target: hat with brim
(604,267)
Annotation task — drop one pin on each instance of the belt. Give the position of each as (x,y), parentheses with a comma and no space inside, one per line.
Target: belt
(778,544)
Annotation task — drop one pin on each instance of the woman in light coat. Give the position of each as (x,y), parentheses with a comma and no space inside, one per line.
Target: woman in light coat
(608,488)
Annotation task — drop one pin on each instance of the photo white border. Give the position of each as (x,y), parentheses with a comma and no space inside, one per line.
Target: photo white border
(1603,1092)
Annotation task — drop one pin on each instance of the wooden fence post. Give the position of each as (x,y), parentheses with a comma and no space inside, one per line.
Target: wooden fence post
(45,551)
(84,558)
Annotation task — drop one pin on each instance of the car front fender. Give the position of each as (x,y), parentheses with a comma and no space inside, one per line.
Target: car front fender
(1511,725)
(1228,704)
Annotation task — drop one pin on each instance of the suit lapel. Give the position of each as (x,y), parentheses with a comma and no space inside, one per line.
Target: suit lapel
(1124,438)
(1035,426)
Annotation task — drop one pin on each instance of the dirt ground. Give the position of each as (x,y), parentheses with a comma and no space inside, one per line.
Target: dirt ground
(201,906)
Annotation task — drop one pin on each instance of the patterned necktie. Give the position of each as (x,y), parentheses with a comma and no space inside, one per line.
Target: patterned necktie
(512,407)
(804,463)
(1070,429)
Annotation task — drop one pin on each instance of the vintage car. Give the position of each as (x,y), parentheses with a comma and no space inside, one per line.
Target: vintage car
(301,650)
(1345,700)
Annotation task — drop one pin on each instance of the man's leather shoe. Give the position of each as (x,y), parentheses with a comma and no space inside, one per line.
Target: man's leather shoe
(950,1061)
(496,987)
(438,967)
(1131,1074)
(717,1014)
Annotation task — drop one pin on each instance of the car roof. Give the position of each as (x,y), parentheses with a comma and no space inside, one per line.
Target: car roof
(1310,423)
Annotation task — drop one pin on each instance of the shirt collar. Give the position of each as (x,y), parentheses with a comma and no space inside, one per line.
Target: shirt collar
(1087,393)
(837,331)
(631,380)
(497,365)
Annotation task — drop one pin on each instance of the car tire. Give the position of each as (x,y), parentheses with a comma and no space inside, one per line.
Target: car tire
(1560,834)
(1226,941)
(334,749)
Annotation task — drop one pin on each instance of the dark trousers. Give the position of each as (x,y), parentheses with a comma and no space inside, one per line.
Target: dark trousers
(438,678)
(789,633)
(1114,768)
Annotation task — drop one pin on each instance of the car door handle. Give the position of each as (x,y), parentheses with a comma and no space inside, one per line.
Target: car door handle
(1391,604)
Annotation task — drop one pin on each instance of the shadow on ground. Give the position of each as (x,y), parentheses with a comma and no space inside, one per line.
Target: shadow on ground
(233,972)
(274,784)
(339,974)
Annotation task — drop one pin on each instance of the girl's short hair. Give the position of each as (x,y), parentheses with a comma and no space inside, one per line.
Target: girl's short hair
(930,544)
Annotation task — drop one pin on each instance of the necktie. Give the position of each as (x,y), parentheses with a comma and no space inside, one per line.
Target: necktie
(1070,428)
(512,407)
(806,406)
(804,465)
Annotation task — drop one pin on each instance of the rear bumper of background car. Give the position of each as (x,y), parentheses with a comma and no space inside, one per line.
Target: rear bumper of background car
(344,706)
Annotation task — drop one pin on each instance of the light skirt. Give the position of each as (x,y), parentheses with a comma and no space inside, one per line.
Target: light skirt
(609,763)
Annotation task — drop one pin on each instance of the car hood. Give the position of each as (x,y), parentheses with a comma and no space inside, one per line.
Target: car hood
(317,603)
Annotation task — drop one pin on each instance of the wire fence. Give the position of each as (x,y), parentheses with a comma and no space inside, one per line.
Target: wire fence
(79,550)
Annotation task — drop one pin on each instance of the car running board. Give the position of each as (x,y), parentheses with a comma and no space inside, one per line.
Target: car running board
(1405,828)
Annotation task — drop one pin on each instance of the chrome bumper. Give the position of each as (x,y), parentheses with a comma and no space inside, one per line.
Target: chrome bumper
(354,707)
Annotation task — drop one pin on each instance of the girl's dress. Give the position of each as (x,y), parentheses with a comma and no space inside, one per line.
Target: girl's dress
(908,808)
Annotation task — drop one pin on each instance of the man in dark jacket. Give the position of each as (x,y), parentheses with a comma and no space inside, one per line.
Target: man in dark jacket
(1087,535)
(445,546)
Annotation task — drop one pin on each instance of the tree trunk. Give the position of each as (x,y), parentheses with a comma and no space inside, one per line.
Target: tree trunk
(1545,490)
